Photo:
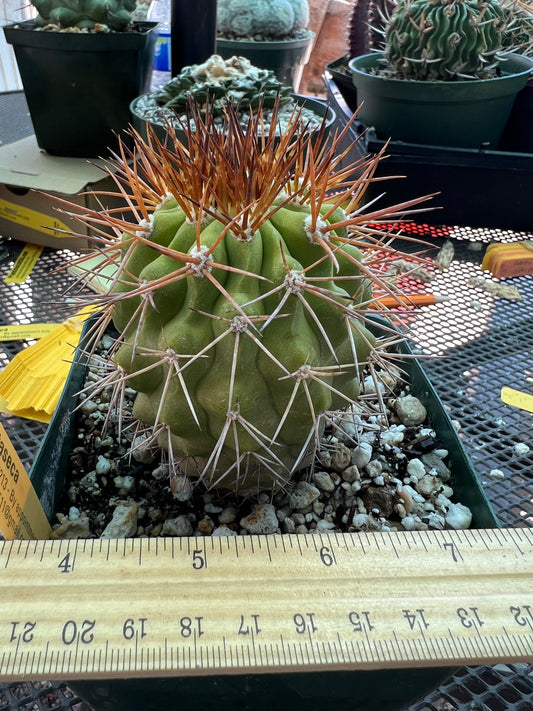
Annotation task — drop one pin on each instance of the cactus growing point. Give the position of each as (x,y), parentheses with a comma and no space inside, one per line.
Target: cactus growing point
(242,293)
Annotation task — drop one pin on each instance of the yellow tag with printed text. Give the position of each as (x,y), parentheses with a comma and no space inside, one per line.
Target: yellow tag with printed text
(517,398)
(24,264)
(25,331)
(40,221)
(21,513)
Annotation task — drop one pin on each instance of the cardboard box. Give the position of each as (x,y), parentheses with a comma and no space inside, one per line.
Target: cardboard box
(29,215)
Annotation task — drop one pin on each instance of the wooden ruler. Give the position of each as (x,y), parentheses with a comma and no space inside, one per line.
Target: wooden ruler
(193,606)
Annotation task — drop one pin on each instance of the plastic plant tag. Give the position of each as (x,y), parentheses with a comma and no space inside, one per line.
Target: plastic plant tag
(24,264)
(21,513)
(32,382)
(517,398)
(25,331)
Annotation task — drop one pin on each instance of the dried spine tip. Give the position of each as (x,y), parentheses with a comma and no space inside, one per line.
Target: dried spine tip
(236,405)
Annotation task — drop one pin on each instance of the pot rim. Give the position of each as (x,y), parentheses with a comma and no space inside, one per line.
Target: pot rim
(352,64)
(273,44)
(329,112)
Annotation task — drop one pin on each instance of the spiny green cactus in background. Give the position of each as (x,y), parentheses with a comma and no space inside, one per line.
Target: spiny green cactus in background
(444,39)
(271,19)
(220,82)
(85,14)
(242,293)
(518,35)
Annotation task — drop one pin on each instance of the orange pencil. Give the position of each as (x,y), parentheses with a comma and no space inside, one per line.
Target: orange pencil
(399,300)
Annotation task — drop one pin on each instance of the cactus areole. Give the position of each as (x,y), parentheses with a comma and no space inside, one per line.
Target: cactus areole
(241,294)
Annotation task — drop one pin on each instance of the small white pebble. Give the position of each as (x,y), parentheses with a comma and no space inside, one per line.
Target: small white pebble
(459,517)
(520,448)
(416,468)
(361,455)
(323,481)
(360,520)
(223,531)
(496,474)
(392,437)
(73,513)
(324,525)
(103,465)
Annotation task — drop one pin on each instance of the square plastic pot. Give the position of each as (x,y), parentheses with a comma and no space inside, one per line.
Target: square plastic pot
(381,690)
(79,85)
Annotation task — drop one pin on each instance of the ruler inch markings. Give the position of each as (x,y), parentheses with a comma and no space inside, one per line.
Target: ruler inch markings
(330,601)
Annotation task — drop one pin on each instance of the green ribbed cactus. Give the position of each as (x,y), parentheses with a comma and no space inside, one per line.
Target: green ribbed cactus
(242,293)
(444,39)
(218,82)
(518,26)
(85,14)
(271,19)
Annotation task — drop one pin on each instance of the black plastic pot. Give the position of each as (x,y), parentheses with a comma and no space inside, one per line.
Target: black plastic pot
(468,113)
(476,188)
(79,85)
(382,690)
(286,58)
(338,69)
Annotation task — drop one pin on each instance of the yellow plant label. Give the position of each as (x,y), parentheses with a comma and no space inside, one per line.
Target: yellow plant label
(21,513)
(25,331)
(517,398)
(49,224)
(24,264)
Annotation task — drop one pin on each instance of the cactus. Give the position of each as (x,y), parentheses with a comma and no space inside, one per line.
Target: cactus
(270,19)
(518,35)
(242,293)
(85,14)
(444,39)
(221,82)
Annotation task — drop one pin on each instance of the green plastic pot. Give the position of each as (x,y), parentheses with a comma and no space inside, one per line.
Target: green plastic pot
(467,114)
(518,135)
(79,85)
(381,690)
(286,58)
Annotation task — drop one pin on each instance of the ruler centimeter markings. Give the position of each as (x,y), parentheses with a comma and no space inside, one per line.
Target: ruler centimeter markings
(259,604)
